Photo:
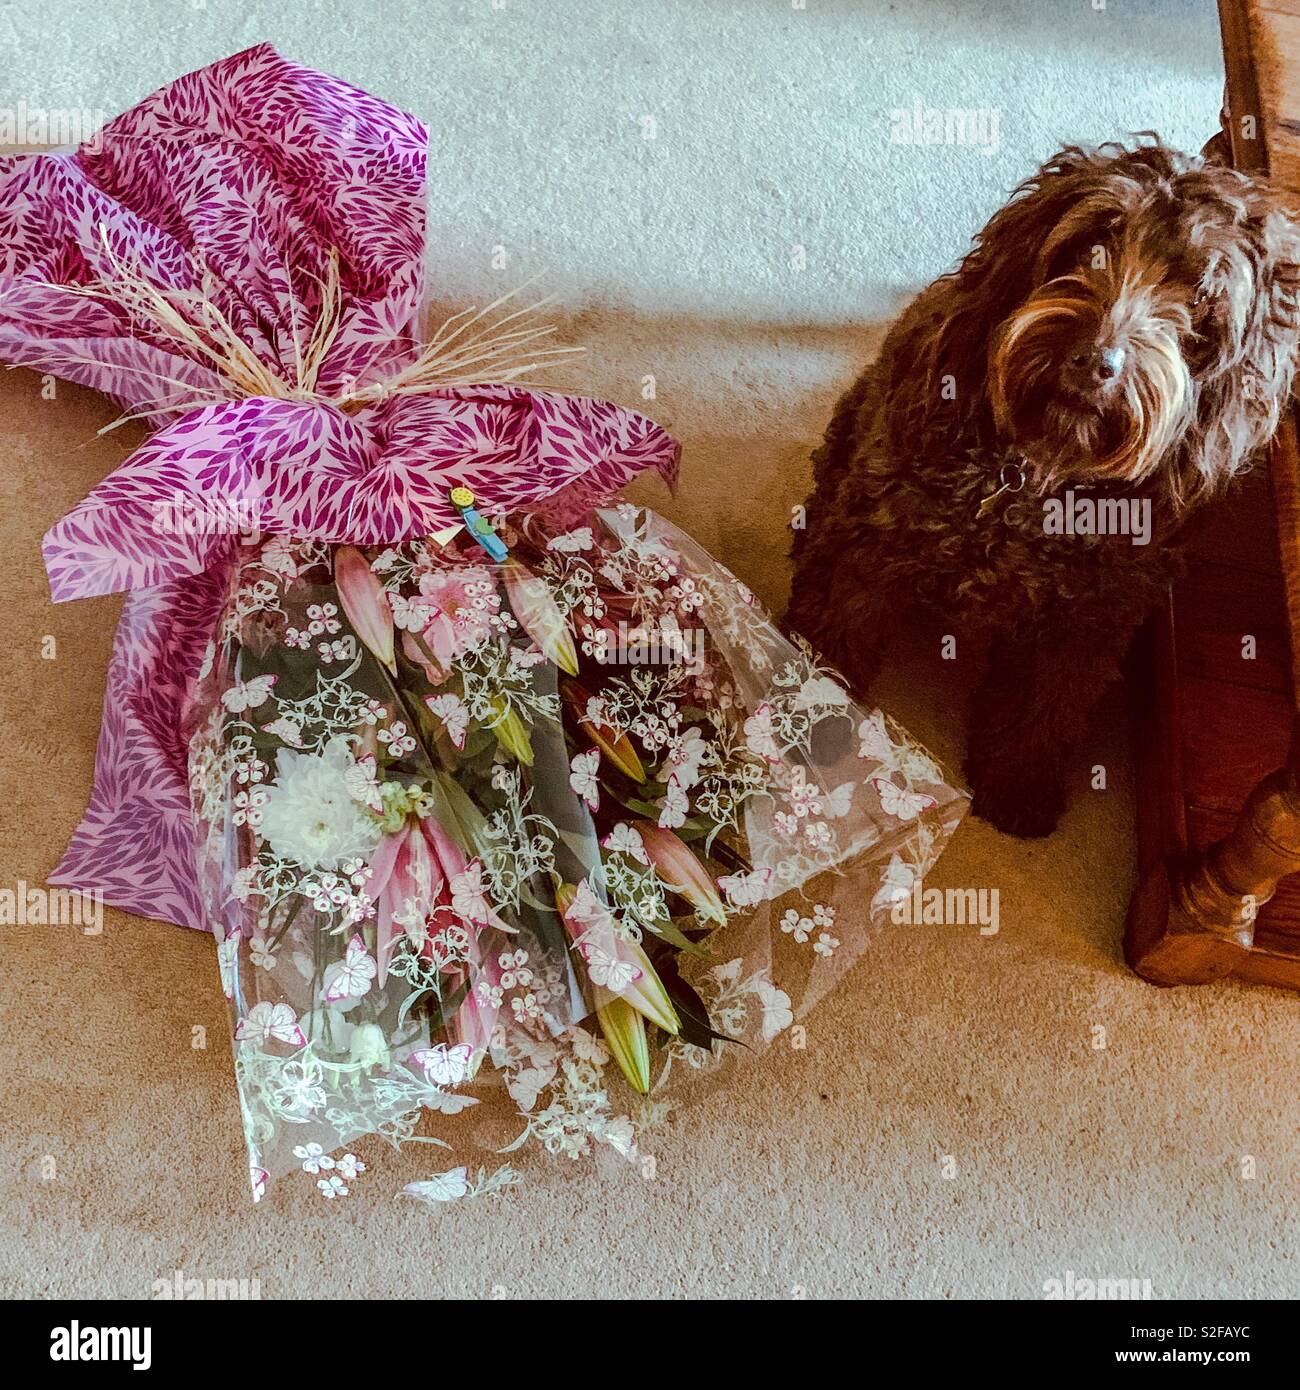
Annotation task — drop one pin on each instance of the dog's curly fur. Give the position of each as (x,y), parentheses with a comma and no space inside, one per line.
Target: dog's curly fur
(1126,325)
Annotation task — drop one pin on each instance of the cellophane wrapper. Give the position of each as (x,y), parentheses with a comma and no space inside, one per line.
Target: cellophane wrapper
(593,831)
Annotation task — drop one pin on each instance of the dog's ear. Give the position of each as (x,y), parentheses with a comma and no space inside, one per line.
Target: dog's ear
(938,357)
(1240,403)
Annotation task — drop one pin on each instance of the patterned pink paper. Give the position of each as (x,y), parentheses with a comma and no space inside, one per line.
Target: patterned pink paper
(251,171)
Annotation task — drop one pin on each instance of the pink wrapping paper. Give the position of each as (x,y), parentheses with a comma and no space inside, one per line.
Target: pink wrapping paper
(242,180)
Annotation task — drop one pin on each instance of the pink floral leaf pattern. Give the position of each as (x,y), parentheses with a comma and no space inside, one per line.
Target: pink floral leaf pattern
(245,179)
(136,842)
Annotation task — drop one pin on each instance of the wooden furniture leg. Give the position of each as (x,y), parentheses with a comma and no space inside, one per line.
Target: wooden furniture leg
(1194,921)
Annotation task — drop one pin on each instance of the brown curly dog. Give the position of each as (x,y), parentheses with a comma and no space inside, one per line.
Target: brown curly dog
(1024,453)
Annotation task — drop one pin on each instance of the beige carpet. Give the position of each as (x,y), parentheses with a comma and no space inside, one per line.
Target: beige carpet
(120,1150)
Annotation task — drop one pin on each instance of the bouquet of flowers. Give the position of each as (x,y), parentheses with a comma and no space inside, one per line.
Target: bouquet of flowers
(475,772)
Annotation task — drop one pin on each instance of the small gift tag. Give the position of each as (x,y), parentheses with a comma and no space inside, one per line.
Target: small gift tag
(477,525)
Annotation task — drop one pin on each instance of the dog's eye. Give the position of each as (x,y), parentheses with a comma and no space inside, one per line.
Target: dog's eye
(1068,257)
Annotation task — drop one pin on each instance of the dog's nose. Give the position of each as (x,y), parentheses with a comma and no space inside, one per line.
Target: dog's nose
(1096,366)
(1110,362)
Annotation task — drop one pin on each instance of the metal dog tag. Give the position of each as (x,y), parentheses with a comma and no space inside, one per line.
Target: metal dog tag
(1011,477)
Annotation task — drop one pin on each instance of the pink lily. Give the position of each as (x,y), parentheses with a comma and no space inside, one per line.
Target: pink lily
(364,602)
(463,878)
(539,615)
(681,870)
(419,654)
(405,881)
(416,871)
(610,957)
(476,1019)
(450,615)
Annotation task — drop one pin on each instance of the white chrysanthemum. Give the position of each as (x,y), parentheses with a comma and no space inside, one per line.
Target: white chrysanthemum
(310,815)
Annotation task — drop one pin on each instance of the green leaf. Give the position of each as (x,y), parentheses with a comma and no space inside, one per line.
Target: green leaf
(468,824)
(673,935)
(692,1012)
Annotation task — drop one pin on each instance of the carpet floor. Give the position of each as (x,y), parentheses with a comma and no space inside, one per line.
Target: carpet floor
(713,191)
